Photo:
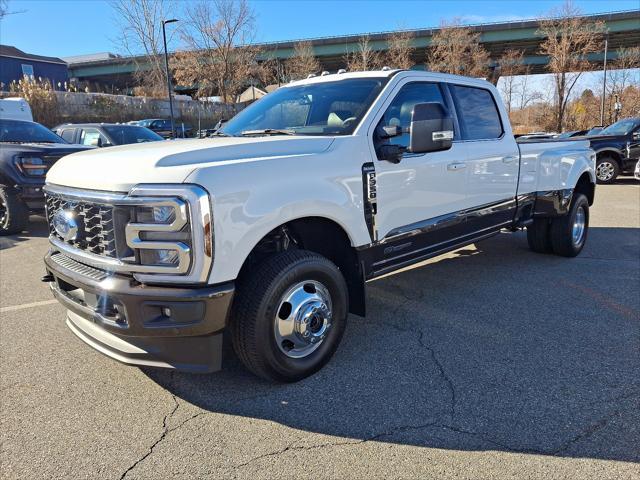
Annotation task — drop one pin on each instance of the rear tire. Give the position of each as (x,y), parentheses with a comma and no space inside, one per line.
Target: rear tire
(569,232)
(538,236)
(14,214)
(288,290)
(607,170)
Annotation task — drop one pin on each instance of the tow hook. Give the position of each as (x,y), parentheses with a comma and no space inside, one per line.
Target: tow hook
(48,278)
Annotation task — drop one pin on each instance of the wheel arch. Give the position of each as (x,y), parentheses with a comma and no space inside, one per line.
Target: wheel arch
(321,235)
(586,186)
(615,153)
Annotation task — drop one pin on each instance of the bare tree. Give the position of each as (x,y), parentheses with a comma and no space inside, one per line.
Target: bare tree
(624,74)
(569,39)
(526,96)
(4,9)
(400,50)
(456,49)
(219,58)
(364,58)
(511,65)
(302,63)
(141,38)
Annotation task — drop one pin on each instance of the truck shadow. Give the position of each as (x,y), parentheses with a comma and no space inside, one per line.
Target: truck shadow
(37,228)
(490,348)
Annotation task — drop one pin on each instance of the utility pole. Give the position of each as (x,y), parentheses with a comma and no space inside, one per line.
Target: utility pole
(166,66)
(604,79)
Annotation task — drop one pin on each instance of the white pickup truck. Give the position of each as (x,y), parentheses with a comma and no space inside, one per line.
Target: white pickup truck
(268,232)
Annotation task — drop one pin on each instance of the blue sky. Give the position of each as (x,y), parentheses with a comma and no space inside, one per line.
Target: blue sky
(71,27)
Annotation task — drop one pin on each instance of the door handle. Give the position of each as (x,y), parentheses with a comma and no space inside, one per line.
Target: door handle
(509,159)
(456,166)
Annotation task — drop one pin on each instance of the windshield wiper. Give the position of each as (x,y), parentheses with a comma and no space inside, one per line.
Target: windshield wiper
(219,133)
(268,131)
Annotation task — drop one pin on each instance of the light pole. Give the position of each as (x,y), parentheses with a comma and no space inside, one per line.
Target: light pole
(604,79)
(166,66)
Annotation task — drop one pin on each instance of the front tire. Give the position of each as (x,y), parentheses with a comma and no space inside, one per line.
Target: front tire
(289,315)
(569,232)
(14,214)
(607,170)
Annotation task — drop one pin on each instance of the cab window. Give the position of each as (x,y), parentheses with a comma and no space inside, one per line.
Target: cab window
(400,110)
(477,113)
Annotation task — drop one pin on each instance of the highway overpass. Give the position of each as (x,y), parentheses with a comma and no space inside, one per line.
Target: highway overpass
(623,31)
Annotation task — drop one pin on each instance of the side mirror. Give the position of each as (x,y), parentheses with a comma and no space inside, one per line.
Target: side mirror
(95,142)
(431,128)
(636,135)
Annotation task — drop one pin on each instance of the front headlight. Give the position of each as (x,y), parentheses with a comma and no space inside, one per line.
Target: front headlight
(170,232)
(32,166)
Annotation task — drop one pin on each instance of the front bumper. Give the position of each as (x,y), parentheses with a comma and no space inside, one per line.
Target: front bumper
(139,324)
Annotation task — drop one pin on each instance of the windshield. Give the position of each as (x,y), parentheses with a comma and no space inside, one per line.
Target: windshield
(328,108)
(125,134)
(26,132)
(621,128)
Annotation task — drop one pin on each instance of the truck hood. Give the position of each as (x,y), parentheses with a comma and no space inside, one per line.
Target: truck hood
(118,169)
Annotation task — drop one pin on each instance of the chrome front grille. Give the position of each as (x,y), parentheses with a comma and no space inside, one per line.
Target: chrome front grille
(96,231)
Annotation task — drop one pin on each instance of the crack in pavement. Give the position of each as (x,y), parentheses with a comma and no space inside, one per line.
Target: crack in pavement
(587,432)
(399,429)
(164,433)
(166,430)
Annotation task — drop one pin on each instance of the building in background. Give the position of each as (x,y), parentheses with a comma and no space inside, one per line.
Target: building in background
(16,64)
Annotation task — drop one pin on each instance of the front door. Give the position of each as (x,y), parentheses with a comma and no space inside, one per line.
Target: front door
(418,199)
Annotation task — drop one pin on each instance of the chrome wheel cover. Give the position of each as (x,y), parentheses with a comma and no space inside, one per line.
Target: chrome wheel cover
(579,226)
(303,319)
(605,171)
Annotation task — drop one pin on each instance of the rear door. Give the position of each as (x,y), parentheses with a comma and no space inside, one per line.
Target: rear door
(493,157)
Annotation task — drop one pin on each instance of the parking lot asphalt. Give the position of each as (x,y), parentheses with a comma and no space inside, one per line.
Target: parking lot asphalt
(490,362)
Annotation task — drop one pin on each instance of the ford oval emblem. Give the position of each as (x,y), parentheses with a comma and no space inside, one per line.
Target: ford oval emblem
(65,225)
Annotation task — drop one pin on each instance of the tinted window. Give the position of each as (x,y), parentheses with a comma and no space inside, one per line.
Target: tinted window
(621,127)
(477,113)
(26,132)
(326,108)
(125,134)
(400,110)
(67,134)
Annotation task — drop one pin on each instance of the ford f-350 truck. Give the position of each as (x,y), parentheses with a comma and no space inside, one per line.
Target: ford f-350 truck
(268,232)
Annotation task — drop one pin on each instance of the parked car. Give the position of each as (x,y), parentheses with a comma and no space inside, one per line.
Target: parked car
(269,231)
(571,134)
(105,134)
(27,151)
(163,127)
(617,148)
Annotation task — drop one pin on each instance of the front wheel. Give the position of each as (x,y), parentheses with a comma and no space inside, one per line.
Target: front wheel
(607,170)
(289,315)
(14,214)
(569,232)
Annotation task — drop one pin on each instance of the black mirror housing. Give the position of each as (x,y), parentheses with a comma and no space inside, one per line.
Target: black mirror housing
(431,128)
(391,153)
